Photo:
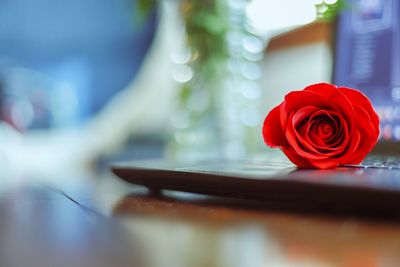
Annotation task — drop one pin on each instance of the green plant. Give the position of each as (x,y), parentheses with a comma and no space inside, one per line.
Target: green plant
(328,12)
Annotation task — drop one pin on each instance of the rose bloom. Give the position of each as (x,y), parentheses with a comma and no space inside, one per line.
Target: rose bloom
(323,126)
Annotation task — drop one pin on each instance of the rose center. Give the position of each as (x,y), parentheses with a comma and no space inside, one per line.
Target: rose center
(326,128)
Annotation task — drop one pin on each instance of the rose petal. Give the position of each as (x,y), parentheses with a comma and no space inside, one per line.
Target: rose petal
(335,96)
(323,126)
(366,124)
(318,140)
(367,135)
(308,138)
(352,156)
(326,164)
(297,142)
(325,90)
(297,159)
(309,164)
(303,114)
(296,100)
(362,101)
(272,129)
(312,144)
(340,140)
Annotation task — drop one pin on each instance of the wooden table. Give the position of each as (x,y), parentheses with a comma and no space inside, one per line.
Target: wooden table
(97,220)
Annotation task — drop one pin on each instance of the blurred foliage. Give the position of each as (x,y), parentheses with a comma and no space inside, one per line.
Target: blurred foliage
(145,5)
(325,12)
(206,25)
(328,12)
(142,8)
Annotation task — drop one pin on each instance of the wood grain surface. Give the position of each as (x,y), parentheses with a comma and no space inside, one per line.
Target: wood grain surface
(100,221)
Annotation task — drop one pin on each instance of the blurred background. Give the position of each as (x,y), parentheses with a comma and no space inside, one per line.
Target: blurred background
(86,83)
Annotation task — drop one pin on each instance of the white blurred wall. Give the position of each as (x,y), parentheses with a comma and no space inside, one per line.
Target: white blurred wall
(293,68)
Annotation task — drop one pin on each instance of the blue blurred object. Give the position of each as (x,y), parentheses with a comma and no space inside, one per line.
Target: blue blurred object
(368,57)
(61,61)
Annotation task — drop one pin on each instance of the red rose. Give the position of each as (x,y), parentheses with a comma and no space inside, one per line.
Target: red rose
(323,126)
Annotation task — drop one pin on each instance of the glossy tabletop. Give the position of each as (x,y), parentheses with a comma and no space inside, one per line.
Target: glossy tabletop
(94,219)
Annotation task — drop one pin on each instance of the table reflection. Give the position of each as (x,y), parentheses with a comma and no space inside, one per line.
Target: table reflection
(42,227)
(190,230)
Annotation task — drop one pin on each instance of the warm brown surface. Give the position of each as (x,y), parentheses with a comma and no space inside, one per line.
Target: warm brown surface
(41,227)
(308,34)
(256,237)
(100,221)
